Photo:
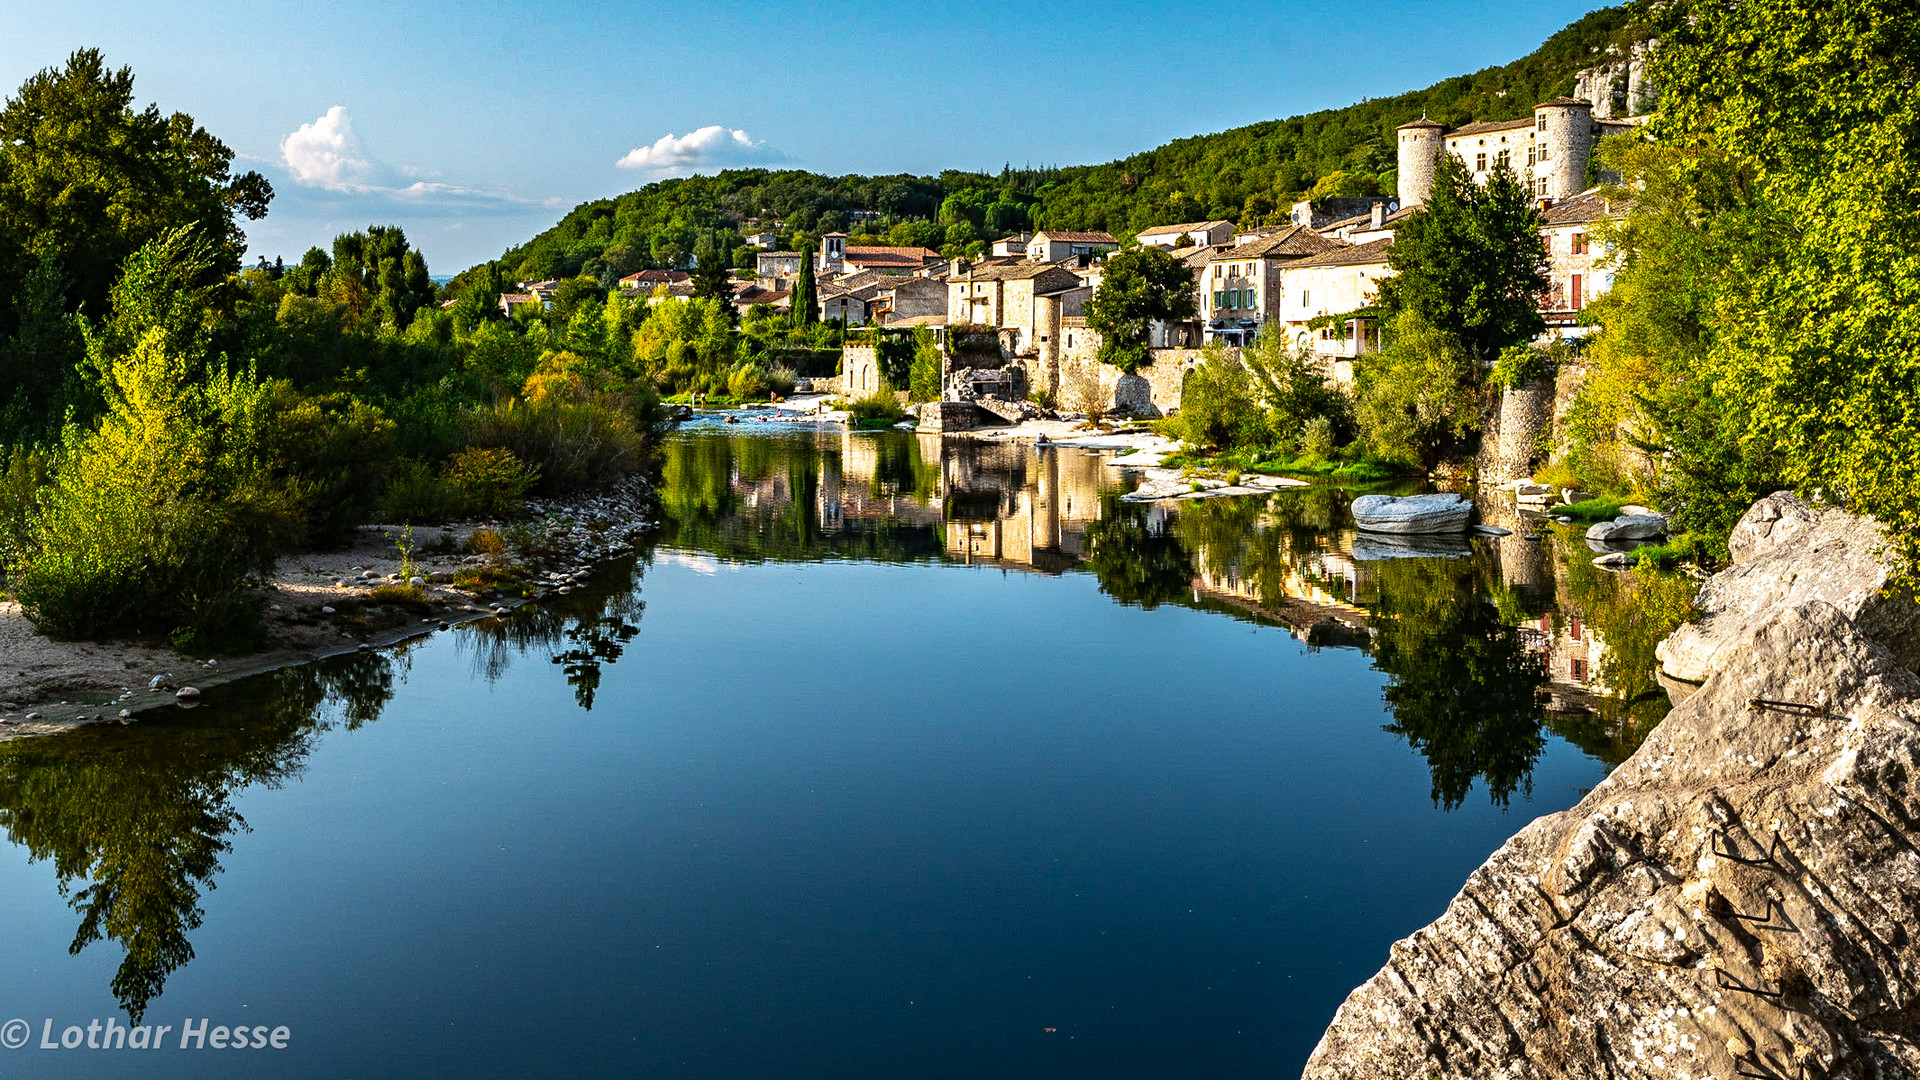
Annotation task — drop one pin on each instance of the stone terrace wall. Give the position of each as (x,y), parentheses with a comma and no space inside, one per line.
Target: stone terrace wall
(1154,390)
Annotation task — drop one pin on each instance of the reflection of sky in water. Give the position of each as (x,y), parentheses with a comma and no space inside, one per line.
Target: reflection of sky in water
(847,808)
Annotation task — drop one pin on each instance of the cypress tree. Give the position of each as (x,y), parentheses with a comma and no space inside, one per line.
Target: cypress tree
(806,310)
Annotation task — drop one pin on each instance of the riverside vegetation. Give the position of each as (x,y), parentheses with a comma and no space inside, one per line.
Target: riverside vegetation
(170,423)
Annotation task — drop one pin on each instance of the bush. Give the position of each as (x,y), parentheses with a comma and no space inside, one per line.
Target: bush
(333,453)
(415,496)
(26,473)
(747,383)
(574,444)
(490,482)
(879,405)
(781,380)
(1219,406)
(1086,395)
(488,542)
(1316,438)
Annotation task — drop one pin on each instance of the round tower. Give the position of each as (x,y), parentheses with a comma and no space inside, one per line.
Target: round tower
(1563,133)
(1421,144)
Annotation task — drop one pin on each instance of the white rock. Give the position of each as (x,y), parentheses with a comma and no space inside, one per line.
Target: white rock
(1442,513)
(1630,527)
(326,611)
(187,692)
(159,682)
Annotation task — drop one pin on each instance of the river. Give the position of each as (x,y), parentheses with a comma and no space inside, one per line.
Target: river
(888,758)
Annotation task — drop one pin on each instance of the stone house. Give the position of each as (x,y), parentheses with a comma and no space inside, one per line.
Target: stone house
(1003,296)
(1578,265)
(1332,283)
(1201,233)
(1059,245)
(1240,286)
(1012,247)
(835,257)
(778,266)
(909,298)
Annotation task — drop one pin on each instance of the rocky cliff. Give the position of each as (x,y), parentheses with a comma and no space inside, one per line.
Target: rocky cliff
(1733,901)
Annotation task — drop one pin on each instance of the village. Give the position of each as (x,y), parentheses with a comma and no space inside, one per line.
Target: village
(1314,280)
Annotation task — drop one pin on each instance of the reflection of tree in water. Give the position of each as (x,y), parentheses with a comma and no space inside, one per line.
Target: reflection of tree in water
(1135,562)
(138,817)
(1464,690)
(581,632)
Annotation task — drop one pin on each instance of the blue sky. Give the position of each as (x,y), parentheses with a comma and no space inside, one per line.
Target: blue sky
(476,125)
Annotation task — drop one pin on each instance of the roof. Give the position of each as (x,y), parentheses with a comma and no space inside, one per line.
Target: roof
(1423,122)
(779,255)
(919,320)
(1589,205)
(1296,241)
(890,256)
(518,297)
(1357,255)
(1185,227)
(1011,271)
(1565,103)
(1077,237)
(1486,126)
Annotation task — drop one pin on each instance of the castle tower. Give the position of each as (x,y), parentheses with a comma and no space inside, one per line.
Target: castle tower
(1563,133)
(1421,144)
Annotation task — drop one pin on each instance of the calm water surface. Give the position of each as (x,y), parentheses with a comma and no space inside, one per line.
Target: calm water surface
(886,761)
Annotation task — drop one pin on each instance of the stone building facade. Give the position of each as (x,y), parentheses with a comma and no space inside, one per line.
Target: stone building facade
(1548,151)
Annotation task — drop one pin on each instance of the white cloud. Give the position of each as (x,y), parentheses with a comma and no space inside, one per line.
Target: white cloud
(710,147)
(327,154)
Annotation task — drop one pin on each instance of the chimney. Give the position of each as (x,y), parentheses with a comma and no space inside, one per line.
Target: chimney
(1379,216)
(957,267)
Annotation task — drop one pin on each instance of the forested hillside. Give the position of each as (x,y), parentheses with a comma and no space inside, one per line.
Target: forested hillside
(1251,175)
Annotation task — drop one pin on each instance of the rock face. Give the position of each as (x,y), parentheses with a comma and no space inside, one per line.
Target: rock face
(1445,513)
(1630,527)
(1786,551)
(1734,900)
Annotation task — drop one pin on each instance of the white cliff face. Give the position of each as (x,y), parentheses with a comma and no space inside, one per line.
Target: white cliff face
(1622,78)
(1735,898)
(1786,551)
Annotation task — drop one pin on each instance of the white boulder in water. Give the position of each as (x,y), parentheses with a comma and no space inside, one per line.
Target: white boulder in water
(1426,514)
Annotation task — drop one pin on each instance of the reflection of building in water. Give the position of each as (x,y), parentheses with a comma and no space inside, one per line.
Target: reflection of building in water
(1571,650)
(1009,504)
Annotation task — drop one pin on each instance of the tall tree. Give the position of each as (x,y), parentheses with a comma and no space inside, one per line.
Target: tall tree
(805,301)
(88,178)
(1138,288)
(1470,263)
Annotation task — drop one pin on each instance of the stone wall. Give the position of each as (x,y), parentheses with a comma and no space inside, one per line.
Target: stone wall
(1154,390)
(1511,438)
(859,370)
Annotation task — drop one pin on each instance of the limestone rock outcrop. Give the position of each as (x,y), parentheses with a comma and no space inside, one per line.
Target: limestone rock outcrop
(1735,899)
(1629,527)
(1786,551)
(1425,514)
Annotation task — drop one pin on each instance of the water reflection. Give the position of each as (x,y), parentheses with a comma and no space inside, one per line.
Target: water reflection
(1486,646)
(135,820)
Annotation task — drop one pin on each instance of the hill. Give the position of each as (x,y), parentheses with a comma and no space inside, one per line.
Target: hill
(1250,175)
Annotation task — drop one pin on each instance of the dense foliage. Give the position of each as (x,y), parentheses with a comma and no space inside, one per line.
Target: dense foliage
(1762,329)
(1251,174)
(1138,287)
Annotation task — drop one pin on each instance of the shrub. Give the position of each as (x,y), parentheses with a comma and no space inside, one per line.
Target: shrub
(488,542)
(879,405)
(747,383)
(489,481)
(573,444)
(26,473)
(333,453)
(1219,406)
(1518,365)
(415,496)
(1316,437)
(1085,394)
(480,578)
(781,380)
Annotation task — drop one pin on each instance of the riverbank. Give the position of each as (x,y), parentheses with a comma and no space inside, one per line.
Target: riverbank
(321,604)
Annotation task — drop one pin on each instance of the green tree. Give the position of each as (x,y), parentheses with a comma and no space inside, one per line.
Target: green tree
(1470,262)
(1138,288)
(1220,404)
(86,177)
(1417,399)
(805,302)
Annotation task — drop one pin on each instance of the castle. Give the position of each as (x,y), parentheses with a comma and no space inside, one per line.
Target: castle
(1549,151)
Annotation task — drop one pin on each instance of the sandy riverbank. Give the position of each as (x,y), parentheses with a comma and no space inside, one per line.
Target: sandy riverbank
(48,686)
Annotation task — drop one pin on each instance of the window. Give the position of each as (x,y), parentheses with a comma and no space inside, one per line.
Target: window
(1543,152)
(1578,244)
(1480,162)
(1503,159)
(1543,121)
(1530,153)
(1578,669)
(1574,628)
(1306,297)
(1219,299)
